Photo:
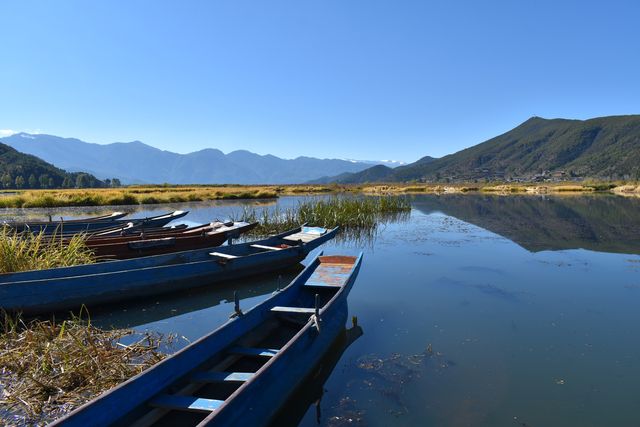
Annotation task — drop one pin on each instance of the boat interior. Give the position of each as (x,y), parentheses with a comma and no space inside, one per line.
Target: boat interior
(204,389)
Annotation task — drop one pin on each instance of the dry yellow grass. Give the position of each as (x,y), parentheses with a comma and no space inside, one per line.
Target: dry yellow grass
(179,194)
(131,196)
(153,195)
(498,188)
(48,368)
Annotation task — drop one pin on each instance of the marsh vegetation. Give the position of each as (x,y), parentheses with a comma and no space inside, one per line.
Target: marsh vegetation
(27,251)
(47,368)
(161,194)
(355,215)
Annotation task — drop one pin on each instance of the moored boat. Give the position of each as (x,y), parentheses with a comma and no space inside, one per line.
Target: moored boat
(55,289)
(158,243)
(130,234)
(112,218)
(108,217)
(80,226)
(244,371)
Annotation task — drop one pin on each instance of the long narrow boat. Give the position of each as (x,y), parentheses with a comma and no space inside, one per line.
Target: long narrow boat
(56,289)
(128,229)
(156,232)
(75,227)
(243,372)
(108,217)
(146,245)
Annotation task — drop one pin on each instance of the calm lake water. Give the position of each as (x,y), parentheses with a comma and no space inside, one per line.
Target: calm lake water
(476,311)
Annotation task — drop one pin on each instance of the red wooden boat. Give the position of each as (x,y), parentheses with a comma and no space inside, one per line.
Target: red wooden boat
(126,247)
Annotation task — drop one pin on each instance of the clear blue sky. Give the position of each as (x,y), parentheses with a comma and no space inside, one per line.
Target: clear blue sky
(358,79)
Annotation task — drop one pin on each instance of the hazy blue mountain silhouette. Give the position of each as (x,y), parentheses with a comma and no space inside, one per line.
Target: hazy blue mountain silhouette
(135,162)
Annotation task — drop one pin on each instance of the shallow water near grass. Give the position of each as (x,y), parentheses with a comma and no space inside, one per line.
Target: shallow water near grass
(477,310)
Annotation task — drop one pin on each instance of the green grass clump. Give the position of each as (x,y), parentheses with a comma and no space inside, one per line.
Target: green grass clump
(415,189)
(27,251)
(603,186)
(349,213)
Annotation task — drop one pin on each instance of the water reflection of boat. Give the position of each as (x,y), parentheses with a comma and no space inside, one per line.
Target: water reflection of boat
(142,312)
(598,223)
(91,285)
(312,390)
(244,371)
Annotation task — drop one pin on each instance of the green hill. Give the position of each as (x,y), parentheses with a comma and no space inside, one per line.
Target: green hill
(19,170)
(605,147)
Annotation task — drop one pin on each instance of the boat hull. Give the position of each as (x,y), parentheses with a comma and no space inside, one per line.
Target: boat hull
(74,227)
(259,398)
(136,247)
(58,289)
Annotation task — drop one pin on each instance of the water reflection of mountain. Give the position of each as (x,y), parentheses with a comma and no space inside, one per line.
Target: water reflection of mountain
(599,223)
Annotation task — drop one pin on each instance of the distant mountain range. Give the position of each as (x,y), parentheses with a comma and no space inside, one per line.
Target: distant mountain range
(135,162)
(605,147)
(19,170)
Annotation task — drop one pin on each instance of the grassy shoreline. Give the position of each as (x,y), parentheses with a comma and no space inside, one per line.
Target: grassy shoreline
(139,195)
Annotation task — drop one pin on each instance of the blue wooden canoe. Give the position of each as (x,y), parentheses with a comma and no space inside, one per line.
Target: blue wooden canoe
(80,226)
(56,289)
(244,371)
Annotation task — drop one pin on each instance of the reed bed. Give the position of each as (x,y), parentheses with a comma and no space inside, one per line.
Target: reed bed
(355,215)
(132,196)
(49,368)
(27,251)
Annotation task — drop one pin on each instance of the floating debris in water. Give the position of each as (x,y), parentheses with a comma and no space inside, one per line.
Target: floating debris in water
(350,415)
(520,423)
(387,377)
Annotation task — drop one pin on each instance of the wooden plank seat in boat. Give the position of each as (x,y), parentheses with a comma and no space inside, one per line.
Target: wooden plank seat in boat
(269,248)
(295,310)
(218,377)
(304,237)
(306,234)
(335,272)
(252,351)
(221,255)
(186,403)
